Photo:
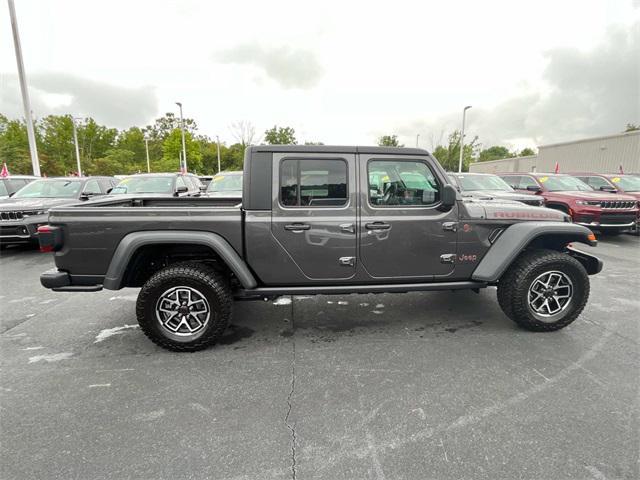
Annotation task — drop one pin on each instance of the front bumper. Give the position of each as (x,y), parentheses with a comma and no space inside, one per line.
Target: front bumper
(20,232)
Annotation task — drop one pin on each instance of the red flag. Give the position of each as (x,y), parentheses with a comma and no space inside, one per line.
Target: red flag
(5,171)
(557,168)
(621,171)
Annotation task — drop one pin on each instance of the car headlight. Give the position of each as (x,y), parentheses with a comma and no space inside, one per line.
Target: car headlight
(592,203)
(33,213)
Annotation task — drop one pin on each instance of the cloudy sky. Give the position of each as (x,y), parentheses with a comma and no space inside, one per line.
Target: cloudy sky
(340,72)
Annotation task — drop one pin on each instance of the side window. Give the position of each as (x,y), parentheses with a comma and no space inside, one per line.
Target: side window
(512,180)
(313,183)
(596,182)
(401,182)
(526,181)
(92,187)
(15,184)
(105,184)
(180,183)
(189,183)
(196,183)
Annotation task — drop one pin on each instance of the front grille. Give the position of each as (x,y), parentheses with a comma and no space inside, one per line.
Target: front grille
(18,231)
(11,216)
(613,219)
(619,204)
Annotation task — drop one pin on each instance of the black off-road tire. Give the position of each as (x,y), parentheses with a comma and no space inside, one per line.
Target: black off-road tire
(205,281)
(513,289)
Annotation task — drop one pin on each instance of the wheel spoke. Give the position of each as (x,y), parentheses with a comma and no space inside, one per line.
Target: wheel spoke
(550,293)
(183,311)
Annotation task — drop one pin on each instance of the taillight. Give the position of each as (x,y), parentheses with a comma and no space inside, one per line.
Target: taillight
(50,238)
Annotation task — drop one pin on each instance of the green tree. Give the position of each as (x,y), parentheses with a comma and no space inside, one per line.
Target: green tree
(449,155)
(132,140)
(117,161)
(495,153)
(526,152)
(280,136)
(14,146)
(56,145)
(632,127)
(164,126)
(172,150)
(389,141)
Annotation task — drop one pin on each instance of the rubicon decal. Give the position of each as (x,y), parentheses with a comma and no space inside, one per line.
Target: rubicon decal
(525,214)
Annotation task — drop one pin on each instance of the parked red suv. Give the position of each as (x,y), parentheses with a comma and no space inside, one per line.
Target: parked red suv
(599,210)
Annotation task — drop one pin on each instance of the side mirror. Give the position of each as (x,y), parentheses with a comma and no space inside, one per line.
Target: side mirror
(607,188)
(533,188)
(109,191)
(12,194)
(181,189)
(203,188)
(86,195)
(449,195)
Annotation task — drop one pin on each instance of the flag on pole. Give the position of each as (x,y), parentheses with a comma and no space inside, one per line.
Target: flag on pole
(557,168)
(5,171)
(620,170)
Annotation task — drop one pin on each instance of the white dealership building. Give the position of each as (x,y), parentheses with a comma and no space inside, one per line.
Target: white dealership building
(598,154)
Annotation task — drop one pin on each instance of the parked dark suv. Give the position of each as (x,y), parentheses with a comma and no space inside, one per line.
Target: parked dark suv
(491,187)
(603,211)
(27,209)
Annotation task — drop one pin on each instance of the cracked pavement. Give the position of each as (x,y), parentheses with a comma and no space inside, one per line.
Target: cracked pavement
(396,386)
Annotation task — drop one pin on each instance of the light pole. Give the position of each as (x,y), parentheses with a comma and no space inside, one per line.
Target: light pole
(75,140)
(218,145)
(184,145)
(26,102)
(146,146)
(418,140)
(464,114)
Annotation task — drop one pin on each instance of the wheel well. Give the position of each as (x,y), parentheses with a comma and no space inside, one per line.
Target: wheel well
(551,241)
(148,259)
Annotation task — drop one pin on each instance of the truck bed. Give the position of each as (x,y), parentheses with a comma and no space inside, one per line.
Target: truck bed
(92,230)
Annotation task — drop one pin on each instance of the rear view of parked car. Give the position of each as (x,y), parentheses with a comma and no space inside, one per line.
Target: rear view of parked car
(160,184)
(10,185)
(491,187)
(226,185)
(28,208)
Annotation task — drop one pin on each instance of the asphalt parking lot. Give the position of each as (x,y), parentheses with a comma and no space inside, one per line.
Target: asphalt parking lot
(405,386)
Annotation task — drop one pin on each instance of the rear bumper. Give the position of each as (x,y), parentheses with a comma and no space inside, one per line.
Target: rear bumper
(60,281)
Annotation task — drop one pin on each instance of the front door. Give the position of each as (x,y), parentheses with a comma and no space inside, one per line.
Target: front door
(314,213)
(404,232)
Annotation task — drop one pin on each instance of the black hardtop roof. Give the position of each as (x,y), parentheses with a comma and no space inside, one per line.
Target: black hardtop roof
(338,149)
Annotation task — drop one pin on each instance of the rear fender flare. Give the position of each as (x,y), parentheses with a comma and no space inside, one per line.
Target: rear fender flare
(133,241)
(519,236)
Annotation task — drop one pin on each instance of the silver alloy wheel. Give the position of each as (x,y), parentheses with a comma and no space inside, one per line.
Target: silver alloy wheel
(183,311)
(550,294)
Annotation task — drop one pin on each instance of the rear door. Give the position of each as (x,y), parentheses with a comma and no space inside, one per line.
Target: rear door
(314,213)
(404,232)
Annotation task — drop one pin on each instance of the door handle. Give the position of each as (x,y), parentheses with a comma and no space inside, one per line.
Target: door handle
(297,227)
(377,226)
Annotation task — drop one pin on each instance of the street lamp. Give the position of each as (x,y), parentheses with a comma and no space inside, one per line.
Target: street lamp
(184,145)
(417,140)
(146,146)
(218,145)
(75,141)
(464,114)
(26,103)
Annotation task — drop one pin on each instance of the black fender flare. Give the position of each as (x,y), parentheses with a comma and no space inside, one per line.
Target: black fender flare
(519,236)
(133,241)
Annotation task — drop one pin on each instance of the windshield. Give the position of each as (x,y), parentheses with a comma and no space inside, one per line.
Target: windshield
(627,184)
(564,184)
(3,189)
(483,182)
(144,185)
(58,188)
(225,183)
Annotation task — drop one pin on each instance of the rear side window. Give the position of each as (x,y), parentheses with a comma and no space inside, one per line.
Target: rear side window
(401,182)
(313,183)
(526,181)
(512,180)
(596,182)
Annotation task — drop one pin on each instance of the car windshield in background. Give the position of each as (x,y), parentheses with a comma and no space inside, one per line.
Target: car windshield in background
(144,185)
(225,183)
(61,188)
(627,184)
(564,184)
(483,182)
(3,190)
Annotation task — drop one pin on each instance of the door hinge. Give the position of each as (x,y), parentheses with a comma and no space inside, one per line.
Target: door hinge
(450,226)
(448,258)
(348,227)
(347,261)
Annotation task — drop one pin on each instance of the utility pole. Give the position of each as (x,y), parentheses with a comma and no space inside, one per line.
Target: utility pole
(184,145)
(218,145)
(464,114)
(146,146)
(26,102)
(75,141)
(418,140)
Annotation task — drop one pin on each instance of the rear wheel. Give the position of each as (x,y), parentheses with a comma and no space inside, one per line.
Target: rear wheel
(184,307)
(544,290)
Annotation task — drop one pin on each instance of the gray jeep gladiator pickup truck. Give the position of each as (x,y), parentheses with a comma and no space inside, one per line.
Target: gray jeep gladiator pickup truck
(318,220)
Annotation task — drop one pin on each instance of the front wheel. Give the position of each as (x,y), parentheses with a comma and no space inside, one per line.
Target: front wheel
(544,290)
(185,307)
